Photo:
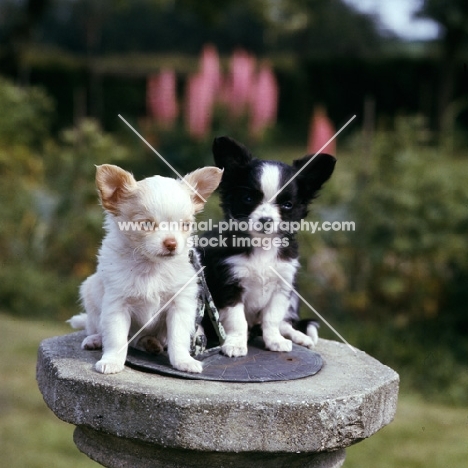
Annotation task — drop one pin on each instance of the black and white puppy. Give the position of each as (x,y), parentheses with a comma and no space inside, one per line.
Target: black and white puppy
(251,259)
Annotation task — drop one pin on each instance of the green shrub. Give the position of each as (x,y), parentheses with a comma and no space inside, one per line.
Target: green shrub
(51,220)
(25,114)
(408,201)
(73,227)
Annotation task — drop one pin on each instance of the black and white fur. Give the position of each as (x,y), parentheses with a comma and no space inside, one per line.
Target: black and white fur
(245,289)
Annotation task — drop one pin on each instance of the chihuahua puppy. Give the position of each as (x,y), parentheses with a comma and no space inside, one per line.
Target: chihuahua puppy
(143,272)
(251,274)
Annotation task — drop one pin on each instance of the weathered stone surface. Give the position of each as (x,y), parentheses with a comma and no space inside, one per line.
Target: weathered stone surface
(351,398)
(115,452)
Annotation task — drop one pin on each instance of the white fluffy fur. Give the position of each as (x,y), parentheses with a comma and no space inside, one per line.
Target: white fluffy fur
(138,272)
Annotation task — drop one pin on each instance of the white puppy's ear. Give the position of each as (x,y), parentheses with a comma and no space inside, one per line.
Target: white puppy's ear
(114,185)
(202,183)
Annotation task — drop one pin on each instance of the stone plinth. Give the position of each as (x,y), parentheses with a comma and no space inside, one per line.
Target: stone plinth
(134,419)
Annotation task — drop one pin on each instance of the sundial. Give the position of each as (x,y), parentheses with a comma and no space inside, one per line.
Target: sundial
(259,365)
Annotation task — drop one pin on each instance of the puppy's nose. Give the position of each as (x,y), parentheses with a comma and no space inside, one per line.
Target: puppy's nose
(266,219)
(170,244)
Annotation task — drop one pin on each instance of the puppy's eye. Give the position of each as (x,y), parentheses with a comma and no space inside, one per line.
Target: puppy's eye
(186,225)
(248,199)
(287,206)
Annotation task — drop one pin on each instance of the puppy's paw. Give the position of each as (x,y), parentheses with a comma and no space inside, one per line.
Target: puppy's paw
(151,345)
(308,343)
(234,351)
(92,342)
(189,365)
(280,345)
(109,366)
(234,347)
(303,340)
(312,332)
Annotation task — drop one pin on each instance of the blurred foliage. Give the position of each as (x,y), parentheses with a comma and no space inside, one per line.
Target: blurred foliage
(324,28)
(76,219)
(184,153)
(32,113)
(86,26)
(409,203)
(51,222)
(410,207)
(428,358)
(452,16)
(23,129)
(17,22)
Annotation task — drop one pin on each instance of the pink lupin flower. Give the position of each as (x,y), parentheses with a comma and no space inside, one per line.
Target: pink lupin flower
(210,67)
(263,101)
(161,98)
(201,94)
(198,106)
(239,83)
(243,92)
(320,131)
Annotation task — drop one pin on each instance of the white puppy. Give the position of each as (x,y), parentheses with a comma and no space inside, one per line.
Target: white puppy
(143,265)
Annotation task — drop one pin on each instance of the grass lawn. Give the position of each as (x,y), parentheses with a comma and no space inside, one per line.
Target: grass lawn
(423,434)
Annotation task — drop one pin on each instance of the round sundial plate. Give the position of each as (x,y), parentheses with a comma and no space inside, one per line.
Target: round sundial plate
(259,365)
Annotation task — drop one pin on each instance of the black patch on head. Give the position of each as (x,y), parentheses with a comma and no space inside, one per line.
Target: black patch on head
(229,154)
(240,189)
(313,172)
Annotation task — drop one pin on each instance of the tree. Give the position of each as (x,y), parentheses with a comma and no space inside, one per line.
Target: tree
(306,27)
(20,20)
(452,15)
(326,28)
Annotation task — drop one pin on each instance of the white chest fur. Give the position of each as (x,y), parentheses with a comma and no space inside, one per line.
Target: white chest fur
(259,274)
(144,286)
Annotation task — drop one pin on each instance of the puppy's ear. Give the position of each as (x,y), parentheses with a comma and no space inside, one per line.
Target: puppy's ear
(113,184)
(204,181)
(313,175)
(228,153)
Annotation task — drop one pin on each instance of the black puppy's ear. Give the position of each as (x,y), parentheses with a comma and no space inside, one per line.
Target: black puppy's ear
(314,174)
(229,153)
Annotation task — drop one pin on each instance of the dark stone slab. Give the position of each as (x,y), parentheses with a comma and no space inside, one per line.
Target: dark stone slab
(260,365)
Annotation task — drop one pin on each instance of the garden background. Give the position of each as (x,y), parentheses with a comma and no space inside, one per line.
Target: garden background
(280,76)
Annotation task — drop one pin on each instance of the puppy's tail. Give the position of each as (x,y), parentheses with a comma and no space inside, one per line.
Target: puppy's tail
(78,321)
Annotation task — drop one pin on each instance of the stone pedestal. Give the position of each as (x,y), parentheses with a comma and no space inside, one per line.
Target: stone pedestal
(134,419)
